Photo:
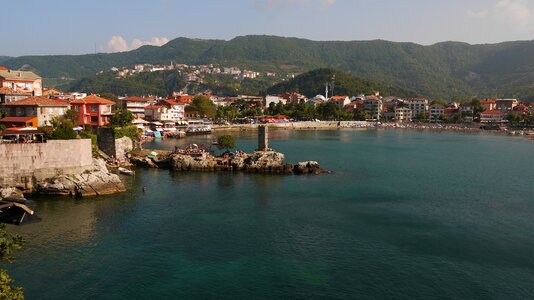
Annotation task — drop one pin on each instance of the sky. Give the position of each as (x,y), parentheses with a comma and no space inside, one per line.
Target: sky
(38,27)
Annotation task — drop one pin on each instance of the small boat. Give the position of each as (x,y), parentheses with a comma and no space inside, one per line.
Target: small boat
(126,171)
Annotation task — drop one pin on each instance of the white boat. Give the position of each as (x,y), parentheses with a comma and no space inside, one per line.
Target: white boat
(126,171)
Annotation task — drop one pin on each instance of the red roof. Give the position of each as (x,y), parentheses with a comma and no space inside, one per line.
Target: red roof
(93,99)
(37,101)
(16,119)
(338,98)
(170,102)
(488,101)
(491,112)
(153,106)
(9,91)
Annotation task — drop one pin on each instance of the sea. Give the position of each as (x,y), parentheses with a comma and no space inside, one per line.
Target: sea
(404,214)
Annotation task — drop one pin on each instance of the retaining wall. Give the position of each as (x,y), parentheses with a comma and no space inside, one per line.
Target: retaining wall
(22,165)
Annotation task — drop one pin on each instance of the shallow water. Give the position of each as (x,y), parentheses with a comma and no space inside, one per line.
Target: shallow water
(406,214)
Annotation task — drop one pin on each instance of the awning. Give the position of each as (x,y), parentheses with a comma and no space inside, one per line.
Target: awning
(140,126)
(157,123)
(159,129)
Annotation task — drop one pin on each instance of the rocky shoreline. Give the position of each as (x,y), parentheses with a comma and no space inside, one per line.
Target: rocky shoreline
(269,162)
(94,181)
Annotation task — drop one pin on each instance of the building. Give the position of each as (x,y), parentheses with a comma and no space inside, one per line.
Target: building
(37,111)
(9,95)
(417,105)
(341,101)
(403,114)
(435,112)
(135,104)
(24,81)
(166,110)
(489,104)
(373,106)
(491,116)
(506,105)
(93,110)
(273,99)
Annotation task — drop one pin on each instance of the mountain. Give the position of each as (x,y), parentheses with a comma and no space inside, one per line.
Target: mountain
(443,70)
(313,83)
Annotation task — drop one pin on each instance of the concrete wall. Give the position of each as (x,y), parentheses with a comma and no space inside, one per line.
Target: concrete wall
(106,141)
(22,165)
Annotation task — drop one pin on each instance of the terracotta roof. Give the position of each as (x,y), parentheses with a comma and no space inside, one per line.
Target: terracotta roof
(336,98)
(153,106)
(491,112)
(93,99)
(37,101)
(19,75)
(488,101)
(170,102)
(135,98)
(9,91)
(16,119)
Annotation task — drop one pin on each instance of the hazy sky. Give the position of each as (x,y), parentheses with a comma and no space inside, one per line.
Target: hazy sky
(75,27)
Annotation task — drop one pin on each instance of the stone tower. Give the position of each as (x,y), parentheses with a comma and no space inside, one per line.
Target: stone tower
(263,138)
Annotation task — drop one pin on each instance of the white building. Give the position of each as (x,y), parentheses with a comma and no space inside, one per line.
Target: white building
(417,105)
(403,114)
(435,112)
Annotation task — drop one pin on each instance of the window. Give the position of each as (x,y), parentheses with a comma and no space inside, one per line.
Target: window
(94,119)
(94,108)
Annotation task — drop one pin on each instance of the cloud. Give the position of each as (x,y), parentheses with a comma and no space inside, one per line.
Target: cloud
(118,44)
(284,4)
(512,12)
(516,12)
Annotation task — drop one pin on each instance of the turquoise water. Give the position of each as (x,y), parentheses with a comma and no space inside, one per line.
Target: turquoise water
(405,215)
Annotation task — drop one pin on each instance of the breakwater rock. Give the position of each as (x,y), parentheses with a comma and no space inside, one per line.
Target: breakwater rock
(271,162)
(92,182)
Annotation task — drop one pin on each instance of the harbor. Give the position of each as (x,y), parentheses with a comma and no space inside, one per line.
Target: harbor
(257,235)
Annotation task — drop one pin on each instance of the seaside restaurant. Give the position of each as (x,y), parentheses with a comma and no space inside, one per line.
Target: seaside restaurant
(21,135)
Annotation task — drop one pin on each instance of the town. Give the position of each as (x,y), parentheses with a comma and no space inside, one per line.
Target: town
(27,106)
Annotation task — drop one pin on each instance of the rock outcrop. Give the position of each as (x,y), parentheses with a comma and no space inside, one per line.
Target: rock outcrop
(11,192)
(308,167)
(95,181)
(255,162)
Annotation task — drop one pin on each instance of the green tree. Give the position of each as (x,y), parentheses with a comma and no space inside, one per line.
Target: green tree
(72,116)
(63,129)
(121,118)
(109,96)
(8,244)
(203,106)
(514,118)
(226,142)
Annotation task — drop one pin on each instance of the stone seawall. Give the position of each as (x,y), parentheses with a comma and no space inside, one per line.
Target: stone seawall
(23,165)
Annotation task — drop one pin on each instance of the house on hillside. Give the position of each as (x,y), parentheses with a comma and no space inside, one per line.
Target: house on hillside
(8,94)
(93,110)
(165,110)
(135,104)
(33,111)
(24,81)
